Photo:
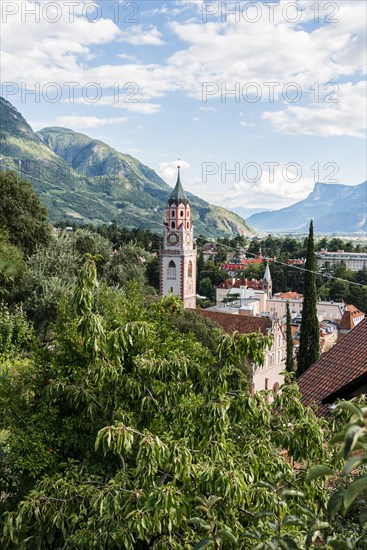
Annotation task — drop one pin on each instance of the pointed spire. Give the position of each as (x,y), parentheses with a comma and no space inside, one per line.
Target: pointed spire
(267,275)
(178,194)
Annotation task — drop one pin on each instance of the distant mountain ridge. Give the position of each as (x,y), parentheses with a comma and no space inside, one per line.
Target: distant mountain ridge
(82,179)
(334,208)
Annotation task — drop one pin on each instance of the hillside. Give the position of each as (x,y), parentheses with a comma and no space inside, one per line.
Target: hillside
(86,180)
(335,208)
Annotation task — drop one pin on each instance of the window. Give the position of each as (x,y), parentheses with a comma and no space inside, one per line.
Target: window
(173,225)
(173,213)
(171,270)
(189,271)
(181,213)
(188,225)
(266,383)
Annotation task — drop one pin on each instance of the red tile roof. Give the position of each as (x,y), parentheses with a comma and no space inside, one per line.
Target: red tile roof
(338,372)
(242,323)
(350,315)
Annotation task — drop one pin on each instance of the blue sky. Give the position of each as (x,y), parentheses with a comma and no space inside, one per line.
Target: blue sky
(296,71)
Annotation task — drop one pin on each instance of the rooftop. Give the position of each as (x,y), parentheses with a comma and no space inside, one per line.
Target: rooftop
(289,295)
(350,317)
(338,372)
(243,324)
(178,194)
(249,283)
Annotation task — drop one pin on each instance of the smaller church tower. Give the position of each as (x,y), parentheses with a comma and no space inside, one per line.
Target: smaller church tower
(267,284)
(178,256)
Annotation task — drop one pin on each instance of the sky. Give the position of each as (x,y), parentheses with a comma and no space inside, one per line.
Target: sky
(258,100)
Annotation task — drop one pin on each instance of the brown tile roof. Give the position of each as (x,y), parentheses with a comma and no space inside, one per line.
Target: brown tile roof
(289,295)
(242,323)
(228,284)
(351,313)
(338,371)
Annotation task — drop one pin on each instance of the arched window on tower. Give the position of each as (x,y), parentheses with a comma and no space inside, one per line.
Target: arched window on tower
(171,270)
(181,213)
(173,225)
(188,225)
(189,270)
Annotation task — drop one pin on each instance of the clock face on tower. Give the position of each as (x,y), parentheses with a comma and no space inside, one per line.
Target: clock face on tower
(172,239)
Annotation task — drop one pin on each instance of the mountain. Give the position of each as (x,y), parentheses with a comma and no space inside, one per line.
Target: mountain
(334,208)
(85,180)
(246,212)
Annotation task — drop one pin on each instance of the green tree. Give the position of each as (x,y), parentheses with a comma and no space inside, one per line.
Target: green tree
(21,213)
(153,272)
(126,264)
(309,347)
(221,256)
(11,265)
(289,362)
(131,424)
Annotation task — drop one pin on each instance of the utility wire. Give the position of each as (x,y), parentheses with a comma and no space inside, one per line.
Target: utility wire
(289,265)
(101,201)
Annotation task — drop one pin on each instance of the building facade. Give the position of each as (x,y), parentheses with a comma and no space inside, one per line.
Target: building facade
(354,261)
(178,255)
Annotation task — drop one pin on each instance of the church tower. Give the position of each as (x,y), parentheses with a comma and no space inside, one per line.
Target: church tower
(178,256)
(267,283)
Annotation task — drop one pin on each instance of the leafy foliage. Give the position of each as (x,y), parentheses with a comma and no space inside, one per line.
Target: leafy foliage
(133,424)
(21,213)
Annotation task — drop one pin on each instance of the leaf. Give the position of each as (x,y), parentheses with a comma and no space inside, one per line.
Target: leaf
(227,535)
(291,493)
(351,407)
(264,514)
(335,503)
(363,516)
(213,500)
(264,485)
(203,544)
(318,471)
(338,544)
(200,522)
(291,545)
(311,537)
(352,463)
(351,437)
(294,520)
(355,488)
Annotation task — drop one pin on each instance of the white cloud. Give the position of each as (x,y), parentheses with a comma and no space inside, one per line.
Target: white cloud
(142,36)
(88,121)
(220,52)
(168,170)
(347,117)
(270,192)
(79,122)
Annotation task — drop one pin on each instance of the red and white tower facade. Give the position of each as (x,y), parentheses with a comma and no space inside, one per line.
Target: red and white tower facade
(178,256)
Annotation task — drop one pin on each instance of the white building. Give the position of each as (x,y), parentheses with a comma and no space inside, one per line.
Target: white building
(354,261)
